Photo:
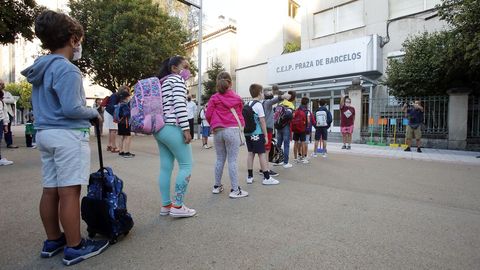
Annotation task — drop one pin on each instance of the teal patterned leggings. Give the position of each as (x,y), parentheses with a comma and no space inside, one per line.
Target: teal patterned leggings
(171,146)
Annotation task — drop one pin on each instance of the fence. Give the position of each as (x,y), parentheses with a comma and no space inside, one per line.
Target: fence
(473,123)
(384,116)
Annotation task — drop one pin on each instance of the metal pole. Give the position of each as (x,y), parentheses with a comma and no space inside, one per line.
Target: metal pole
(200,36)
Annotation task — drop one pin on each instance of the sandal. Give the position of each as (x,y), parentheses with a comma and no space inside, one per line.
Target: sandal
(109,148)
(114,150)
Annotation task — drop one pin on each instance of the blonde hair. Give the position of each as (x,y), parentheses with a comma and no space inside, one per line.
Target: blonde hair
(224,81)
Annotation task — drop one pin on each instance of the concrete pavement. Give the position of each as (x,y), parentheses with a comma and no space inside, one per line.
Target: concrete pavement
(348,211)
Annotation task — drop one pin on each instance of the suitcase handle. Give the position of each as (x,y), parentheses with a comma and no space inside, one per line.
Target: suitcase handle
(99,146)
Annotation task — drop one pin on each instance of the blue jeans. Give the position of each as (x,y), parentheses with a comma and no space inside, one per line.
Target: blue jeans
(283,135)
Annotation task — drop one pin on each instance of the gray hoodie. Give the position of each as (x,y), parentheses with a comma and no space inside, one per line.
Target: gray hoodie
(58,97)
(268,107)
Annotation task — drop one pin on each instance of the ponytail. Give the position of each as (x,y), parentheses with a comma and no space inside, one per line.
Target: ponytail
(224,81)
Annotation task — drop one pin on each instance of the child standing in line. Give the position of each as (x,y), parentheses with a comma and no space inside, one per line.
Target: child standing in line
(323,120)
(257,139)
(4,126)
(346,121)
(123,124)
(205,127)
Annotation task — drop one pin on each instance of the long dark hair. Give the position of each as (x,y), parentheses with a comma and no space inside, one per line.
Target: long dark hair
(166,66)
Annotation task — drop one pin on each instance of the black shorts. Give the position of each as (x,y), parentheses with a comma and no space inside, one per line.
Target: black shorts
(300,137)
(255,143)
(123,129)
(321,132)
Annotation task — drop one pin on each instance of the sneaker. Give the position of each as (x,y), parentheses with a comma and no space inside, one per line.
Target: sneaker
(344,147)
(165,210)
(349,147)
(278,164)
(419,150)
(182,212)
(217,189)
(128,155)
(272,173)
(324,155)
(5,162)
(270,181)
(121,154)
(305,161)
(249,180)
(206,146)
(287,165)
(89,249)
(52,247)
(314,155)
(234,194)
(408,149)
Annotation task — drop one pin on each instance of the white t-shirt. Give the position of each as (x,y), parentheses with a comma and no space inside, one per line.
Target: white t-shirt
(204,119)
(191,109)
(258,109)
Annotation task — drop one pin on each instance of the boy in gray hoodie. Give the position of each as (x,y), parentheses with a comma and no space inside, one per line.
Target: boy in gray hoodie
(62,120)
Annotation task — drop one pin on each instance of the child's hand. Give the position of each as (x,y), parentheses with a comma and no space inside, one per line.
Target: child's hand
(187,137)
(286,96)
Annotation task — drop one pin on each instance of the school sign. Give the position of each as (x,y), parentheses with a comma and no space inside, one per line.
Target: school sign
(352,57)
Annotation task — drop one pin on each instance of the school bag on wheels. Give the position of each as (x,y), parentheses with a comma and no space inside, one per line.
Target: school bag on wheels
(299,121)
(104,209)
(276,153)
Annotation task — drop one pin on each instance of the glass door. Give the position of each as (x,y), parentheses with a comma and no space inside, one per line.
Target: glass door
(335,110)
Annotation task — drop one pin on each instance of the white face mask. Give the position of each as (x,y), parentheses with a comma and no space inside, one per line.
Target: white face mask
(77,53)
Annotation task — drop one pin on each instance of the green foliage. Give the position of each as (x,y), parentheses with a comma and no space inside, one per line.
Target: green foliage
(436,62)
(209,86)
(22,89)
(291,47)
(17,18)
(125,40)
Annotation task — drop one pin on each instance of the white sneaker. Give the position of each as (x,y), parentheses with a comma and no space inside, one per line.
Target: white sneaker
(305,161)
(249,180)
(270,181)
(165,210)
(238,194)
(324,155)
(217,189)
(5,162)
(276,164)
(314,155)
(182,212)
(287,165)
(206,146)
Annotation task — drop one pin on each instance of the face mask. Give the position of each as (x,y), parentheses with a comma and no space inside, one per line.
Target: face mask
(77,53)
(185,74)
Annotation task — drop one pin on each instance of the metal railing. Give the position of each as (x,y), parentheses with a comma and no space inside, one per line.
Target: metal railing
(473,123)
(384,116)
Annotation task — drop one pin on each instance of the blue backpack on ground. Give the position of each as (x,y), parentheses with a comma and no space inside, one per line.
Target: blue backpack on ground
(104,209)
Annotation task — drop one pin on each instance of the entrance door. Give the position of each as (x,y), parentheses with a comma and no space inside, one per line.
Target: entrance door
(335,109)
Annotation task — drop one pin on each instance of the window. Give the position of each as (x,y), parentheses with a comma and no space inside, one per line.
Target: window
(339,19)
(400,8)
(211,57)
(292,9)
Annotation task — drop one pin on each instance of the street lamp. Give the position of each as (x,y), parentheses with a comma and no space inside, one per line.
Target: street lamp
(200,36)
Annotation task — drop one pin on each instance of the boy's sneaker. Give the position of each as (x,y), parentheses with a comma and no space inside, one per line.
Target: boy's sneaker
(277,164)
(272,173)
(408,149)
(121,154)
(206,146)
(419,150)
(349,147)
(5,162)
(234,194)
(217,189)
(305,161)
(344,147)
(182,212)
(89,249)
(249,180)
(128,155)
(165,210)
(52,247)
(324,154)
(270,181)
(287,165)
(314,155)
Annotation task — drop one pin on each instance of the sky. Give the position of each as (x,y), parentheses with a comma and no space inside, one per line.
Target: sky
(213,8)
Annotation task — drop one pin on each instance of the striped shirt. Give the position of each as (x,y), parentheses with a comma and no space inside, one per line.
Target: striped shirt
(174,94)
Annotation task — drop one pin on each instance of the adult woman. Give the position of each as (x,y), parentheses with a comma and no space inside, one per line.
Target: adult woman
(226,132)
(174,138)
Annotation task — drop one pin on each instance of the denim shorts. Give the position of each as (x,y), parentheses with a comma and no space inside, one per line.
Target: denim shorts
(205,132)
(65,155)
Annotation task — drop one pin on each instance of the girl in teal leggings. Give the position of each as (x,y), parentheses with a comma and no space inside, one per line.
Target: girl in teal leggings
(174,138)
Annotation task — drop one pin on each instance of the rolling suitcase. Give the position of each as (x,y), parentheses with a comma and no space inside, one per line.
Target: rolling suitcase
(104,209)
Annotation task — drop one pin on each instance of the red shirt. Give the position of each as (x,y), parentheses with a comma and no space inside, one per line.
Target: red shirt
(347,116)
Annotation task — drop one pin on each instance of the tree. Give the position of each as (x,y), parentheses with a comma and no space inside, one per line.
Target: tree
(125,40)
(17,18)
(23,90)
(210,85)
(291,47)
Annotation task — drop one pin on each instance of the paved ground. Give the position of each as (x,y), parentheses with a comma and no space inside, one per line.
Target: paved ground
(349,211)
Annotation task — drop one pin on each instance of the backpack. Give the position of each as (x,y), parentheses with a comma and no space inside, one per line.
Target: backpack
(249,117)
(282,116)
(105,101)
(299,121)
(120,113)
(323,118)
(199,118)
(146,113)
